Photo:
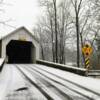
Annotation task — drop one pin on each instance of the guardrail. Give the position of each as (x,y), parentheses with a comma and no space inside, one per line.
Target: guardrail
(80,71)
(94,73)
(2,60)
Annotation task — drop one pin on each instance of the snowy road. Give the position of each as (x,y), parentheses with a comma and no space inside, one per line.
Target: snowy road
(10,80)
(47,83)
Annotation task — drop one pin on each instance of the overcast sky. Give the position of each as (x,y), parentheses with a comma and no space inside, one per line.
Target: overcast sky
(20,12)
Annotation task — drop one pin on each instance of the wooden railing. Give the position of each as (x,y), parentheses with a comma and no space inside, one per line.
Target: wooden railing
(2,60)
(80,71)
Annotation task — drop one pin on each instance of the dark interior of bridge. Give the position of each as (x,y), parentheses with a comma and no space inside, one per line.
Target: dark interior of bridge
(20,51)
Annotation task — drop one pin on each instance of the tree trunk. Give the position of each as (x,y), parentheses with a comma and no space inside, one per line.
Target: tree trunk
(52,39)
(56,33)
(78,42)
(42,52)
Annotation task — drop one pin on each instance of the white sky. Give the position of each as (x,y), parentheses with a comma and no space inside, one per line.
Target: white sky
(21,12)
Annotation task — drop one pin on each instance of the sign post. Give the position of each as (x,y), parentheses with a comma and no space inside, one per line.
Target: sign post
(87,50)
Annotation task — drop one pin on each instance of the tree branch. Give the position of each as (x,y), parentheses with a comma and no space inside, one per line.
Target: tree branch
(79,6)
(84,25)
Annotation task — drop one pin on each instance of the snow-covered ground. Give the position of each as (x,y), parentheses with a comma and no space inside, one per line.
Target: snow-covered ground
(10,80)
(54,82)
(86,82)
(91,83)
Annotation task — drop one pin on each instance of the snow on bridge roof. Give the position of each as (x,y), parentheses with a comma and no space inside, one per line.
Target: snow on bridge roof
(5,36)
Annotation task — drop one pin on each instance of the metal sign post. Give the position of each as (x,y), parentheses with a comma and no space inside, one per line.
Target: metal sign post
(87,50)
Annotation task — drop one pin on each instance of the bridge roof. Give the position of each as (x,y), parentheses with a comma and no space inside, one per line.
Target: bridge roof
(29,32)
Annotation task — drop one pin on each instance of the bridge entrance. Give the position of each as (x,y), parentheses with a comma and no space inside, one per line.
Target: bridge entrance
(20,52)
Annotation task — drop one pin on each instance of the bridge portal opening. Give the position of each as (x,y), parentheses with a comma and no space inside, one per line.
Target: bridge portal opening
(20,52)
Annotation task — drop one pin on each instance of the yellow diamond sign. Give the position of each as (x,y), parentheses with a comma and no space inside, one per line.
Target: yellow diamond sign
(87,50)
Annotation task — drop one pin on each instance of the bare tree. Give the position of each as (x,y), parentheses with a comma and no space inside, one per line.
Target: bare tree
(59,23)
(56,24)
(77,7)
(56,32)
(63,27)
(5,22)
(82,18)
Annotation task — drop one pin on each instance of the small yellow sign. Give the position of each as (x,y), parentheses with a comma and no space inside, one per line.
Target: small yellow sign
(87,50)
(22,38)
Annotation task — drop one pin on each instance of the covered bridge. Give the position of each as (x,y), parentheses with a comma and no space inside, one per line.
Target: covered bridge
(20,46)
